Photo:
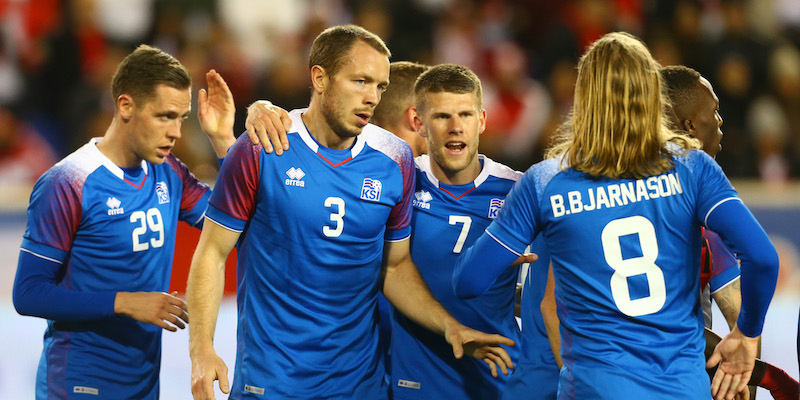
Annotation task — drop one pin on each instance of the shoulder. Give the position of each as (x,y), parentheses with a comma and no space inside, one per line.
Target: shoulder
(498,170)
(387,143)
(72,170)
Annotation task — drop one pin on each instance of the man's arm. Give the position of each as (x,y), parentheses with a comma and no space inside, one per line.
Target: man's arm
(203,294)
(216,112)
(550,317)
(404,288)
(729,301)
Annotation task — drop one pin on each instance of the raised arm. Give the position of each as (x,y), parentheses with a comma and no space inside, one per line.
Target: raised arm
(404,288)
(204,293)
(217,112)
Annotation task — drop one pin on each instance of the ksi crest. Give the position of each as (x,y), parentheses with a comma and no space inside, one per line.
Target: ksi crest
(371,189)
(494,207)
(162,192)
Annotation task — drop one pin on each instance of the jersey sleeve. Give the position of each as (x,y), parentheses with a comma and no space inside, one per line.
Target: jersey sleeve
(713,187)
(398,227)
(725,267)
(516,224)
(194,199)
(54,214)
(233,201)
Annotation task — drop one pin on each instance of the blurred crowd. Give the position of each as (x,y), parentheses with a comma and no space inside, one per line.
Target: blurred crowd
(57,58)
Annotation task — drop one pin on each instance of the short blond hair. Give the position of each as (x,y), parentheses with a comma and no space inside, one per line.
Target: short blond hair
(618,127)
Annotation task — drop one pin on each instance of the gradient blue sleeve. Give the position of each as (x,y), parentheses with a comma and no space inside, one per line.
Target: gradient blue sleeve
(740,231)
(36,293)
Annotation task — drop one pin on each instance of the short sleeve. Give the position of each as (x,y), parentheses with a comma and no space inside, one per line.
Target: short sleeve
(398,226)
(194,198)
(233,201)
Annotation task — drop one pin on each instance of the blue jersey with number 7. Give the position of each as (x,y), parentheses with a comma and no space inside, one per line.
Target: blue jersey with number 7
(625,255)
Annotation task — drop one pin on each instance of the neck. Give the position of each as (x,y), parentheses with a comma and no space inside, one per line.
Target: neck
(460,177)
(114,146)
(319,129)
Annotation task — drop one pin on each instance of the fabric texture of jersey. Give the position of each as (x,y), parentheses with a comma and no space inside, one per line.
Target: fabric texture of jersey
(536,370)
(626,258)
(314,221)
(110,234)
(446,219)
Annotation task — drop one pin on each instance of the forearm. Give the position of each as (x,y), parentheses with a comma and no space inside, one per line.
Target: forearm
(479,266)
(205,287)
(406,290)
(221,145)
(759,262)
(550,317)
(36,293)
(729,301)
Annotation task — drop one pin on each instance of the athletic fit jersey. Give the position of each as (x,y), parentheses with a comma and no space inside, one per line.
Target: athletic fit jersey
(314,221)
(536,370)
(446,219)
(110,234)
(625,254)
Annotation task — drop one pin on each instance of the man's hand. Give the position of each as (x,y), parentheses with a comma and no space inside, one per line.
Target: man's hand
(208,367)
(736,356)
(479,345)
(526,258)
(268,124)
(155,308)
(217,112)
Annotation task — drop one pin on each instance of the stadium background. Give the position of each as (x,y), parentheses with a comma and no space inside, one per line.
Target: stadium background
(57,57)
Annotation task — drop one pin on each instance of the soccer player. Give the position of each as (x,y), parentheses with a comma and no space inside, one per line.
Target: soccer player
(327,227)
(620,202)
(96,256)
(695,109)
(458,194)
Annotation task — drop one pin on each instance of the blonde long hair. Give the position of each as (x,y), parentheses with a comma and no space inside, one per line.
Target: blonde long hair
(618,127)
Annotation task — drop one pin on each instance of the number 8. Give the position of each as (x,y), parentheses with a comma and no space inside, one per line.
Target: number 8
(626,268)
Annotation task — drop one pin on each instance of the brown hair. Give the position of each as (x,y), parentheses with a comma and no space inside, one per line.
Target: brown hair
(399,94)
(144,69)
(330,46)
(617,127)
(447,78)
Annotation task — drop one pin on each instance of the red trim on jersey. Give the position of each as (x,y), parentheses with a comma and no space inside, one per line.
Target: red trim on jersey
(335,165)
(133,184)
(454,196)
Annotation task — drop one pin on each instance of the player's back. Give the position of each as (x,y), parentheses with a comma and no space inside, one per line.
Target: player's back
(626,261)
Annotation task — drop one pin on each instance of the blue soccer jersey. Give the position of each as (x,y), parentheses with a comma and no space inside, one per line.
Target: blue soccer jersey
(536,370)
(314,221)
(111,232)
(626,258)
(446,219)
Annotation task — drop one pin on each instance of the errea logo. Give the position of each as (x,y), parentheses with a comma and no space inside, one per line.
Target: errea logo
(114,206)
(422,199)
(295,177)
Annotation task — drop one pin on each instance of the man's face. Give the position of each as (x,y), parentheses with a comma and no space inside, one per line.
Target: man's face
(706,120)
(156,123)
(354,90)
(452,123)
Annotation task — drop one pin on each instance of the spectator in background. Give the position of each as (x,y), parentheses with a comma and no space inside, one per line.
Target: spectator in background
(24,154)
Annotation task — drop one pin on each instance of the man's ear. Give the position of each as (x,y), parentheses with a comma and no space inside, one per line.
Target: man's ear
(688,126)
(408,118)
(319,78)
(418,125)
(125,106)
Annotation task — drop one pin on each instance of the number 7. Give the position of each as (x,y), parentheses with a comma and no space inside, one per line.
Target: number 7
(462,237)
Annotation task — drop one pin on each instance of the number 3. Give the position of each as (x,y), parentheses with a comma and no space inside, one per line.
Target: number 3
(335,217)
(625,268)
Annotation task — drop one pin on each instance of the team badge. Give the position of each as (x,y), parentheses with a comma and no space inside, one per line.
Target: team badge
(494,207)
(371,189)
(162,192)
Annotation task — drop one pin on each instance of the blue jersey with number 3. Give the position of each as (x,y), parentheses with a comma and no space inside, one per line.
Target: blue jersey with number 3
(314,221)
(626,257)
(111,232)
